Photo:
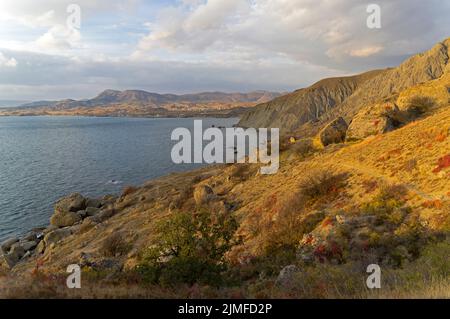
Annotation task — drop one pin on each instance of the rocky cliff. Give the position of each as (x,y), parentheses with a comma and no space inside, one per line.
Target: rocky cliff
(345,96)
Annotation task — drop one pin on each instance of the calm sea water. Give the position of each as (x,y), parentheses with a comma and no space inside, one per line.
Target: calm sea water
(45,158)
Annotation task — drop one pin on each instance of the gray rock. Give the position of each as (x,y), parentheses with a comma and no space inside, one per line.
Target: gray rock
(64,219)
(56,236)
(103,215)
(15,254)
(93,202)
(49,229)
(82,213)
(334,132)
(75,228)
(72,203)
(92,211)
(286,275)
(31,236)
(29,245)
(6,245)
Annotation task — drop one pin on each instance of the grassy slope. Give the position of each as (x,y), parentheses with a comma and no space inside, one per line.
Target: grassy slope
(258,199)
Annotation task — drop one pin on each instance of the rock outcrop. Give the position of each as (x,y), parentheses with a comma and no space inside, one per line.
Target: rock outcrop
(334,132)
(15,249)
(372,120)
(203,194)
(69,215)
(287,275)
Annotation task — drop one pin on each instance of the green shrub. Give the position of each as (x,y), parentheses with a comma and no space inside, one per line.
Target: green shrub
(388,200)
(190,249)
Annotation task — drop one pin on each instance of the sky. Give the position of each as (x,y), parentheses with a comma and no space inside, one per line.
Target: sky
(187,46)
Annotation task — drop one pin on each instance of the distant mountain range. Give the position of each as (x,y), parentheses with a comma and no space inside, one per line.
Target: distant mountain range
(139,97)
(11,103)
(138,103)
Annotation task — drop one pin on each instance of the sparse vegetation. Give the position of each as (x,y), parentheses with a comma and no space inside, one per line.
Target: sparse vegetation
(322,186)
(190,249)
(304,147)
(115,245)
(420,104)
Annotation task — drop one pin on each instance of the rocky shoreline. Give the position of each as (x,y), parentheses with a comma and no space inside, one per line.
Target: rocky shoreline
(70,215)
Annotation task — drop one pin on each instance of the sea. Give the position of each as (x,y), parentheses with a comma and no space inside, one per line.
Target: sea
(44,158)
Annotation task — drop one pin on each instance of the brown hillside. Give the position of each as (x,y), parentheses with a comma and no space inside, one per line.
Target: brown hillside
(326,100)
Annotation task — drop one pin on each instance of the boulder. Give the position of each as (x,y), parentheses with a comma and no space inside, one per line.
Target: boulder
(64,219)
(92,211)
(56,236)
(286,275)
(203,194)
(82,213)
(373,120)
(9,260)
(103,215)
(29,245)
(66,210)
(72,203)
(17,251)
(6,262)
(93,202)
(31,236)
(334,132)
(49,229)
(76,228)
(6,245)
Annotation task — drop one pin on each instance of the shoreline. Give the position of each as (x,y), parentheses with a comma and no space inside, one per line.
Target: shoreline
(225,113)
(63,222)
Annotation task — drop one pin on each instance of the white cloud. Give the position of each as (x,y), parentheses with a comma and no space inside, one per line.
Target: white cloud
(59,38)
(7,62)
(365,52)
(198,45)
(320,32)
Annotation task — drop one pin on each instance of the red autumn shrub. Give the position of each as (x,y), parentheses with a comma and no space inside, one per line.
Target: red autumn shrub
(432,204)
(443,163)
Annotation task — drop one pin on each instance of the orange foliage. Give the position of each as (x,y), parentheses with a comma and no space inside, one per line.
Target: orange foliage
(443,163)
(436,203)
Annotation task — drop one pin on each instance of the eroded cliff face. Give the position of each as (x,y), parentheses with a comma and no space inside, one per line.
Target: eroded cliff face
(330,98)
(305,105)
